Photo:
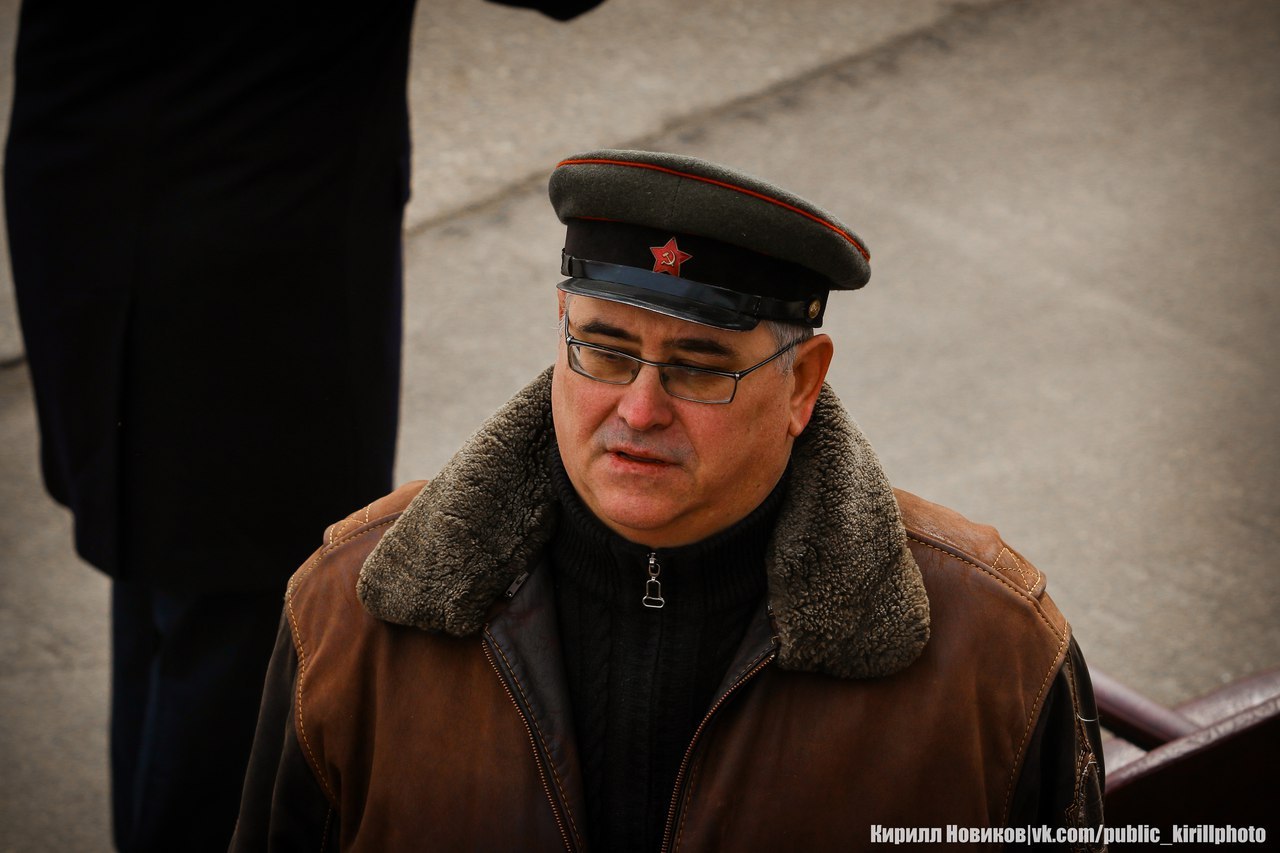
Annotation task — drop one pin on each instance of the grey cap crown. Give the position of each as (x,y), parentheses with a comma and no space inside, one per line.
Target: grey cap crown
(687,195)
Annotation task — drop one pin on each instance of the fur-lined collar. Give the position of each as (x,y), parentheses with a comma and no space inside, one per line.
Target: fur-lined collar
(847,596)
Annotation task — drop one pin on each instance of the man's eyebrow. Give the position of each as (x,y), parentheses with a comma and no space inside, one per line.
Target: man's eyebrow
(689,344)
(599,327)
(702,346)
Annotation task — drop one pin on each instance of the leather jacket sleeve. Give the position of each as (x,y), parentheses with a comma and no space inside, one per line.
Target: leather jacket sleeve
(1062,775)
(283,806)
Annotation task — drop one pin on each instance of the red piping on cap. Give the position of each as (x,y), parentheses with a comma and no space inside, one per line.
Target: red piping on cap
(818,219)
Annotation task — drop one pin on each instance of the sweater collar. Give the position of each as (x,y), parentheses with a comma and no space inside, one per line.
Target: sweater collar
(719,572)
(847,597)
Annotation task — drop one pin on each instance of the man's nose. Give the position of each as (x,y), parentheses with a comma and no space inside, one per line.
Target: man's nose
(645,404)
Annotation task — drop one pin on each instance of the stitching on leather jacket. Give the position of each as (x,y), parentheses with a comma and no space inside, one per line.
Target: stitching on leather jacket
(995,574)
(1020,755)
(1062,636)
(300,647)
(1016,567)
(685,808)
(573,824)
(324,836)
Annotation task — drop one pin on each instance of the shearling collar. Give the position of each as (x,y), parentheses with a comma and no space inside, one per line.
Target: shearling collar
(847,596)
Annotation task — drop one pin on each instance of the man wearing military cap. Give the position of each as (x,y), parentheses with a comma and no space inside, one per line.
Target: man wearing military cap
(665,598)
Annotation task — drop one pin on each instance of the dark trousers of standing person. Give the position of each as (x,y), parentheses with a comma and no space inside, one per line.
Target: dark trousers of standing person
(187,673)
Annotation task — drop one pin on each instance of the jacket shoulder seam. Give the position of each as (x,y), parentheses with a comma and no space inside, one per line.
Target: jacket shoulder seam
(993,571)
(337,534)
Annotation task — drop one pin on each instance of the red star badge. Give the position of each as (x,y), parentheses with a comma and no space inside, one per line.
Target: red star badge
(668,258)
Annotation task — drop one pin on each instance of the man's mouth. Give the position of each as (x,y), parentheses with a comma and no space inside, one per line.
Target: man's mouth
(634,457)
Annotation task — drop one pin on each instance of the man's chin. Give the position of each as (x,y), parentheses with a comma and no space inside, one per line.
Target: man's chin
(641,523)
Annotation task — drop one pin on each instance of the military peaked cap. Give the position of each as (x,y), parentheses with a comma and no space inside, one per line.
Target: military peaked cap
(699,241)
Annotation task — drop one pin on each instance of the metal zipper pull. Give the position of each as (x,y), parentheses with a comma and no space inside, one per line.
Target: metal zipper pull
(516,584)
(652,588)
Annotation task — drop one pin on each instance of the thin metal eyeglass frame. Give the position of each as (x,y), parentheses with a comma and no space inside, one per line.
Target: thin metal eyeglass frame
(736,376)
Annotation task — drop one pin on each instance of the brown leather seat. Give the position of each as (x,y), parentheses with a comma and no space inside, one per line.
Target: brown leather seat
(1211,760)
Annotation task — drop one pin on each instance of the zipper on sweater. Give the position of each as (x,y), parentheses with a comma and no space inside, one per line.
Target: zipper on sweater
(653,587)
(540,760)
(674,811)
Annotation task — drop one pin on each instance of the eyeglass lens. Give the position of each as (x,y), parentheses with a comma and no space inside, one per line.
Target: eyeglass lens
(619,369)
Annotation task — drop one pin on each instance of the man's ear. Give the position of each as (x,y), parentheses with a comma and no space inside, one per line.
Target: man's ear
(813,358)
(560,295)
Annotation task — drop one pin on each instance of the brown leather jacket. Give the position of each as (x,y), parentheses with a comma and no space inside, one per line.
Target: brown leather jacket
(909,671)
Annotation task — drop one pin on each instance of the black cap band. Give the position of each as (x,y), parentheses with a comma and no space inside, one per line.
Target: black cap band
(688,276)
(681,297)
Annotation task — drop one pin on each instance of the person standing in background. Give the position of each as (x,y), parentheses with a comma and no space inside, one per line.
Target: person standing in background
(204,208)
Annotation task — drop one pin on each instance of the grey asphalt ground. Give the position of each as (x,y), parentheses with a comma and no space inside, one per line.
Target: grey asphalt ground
(1069,333)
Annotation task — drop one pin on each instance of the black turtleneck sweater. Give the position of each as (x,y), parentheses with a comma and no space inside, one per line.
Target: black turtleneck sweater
(641,679)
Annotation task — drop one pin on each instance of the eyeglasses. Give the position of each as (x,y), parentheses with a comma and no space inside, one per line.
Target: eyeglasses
(695,384)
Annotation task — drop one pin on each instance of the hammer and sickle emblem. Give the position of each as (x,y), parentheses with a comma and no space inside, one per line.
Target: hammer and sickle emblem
(667,259)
